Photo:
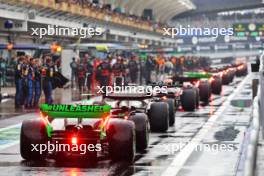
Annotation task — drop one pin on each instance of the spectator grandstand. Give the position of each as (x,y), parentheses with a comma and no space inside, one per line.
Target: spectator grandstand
(223,19)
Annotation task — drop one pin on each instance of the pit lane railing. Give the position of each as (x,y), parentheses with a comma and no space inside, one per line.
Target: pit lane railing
(251,148)
(257,123)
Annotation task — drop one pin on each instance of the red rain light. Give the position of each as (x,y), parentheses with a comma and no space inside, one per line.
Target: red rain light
(74,140)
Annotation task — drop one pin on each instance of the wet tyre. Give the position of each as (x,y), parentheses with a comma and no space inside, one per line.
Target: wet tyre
(172,111)
(159,117)
(204,91)
(231,77)
(33,132)
(188,99)
(225,79)
(216,86)
(122,140)
(242,72)
(142,130)
(197,97)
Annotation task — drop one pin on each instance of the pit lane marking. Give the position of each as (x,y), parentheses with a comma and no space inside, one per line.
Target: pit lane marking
(4,137)
(10,127)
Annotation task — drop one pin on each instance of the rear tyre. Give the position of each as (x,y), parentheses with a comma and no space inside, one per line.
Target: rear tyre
(159,117)
(142,130)
(122,140)
(216,86)
(188,99)
(225,79)
(33,132)
(197,97)
(231,77)
(204,91)
(172,111)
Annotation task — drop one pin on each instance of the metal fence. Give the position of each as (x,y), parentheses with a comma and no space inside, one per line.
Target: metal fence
(261,100)
(257,124)
(251,149)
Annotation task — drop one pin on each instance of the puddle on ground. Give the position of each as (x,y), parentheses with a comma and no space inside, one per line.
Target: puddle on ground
(228,134)
(245,93)
(242,103)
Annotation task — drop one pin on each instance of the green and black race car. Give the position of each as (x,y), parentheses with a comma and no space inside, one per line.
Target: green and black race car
(189,89)
(73,126)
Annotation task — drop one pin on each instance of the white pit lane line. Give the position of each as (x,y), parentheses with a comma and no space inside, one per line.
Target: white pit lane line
(15,142)
(179,161)
(11,126)
(5,146)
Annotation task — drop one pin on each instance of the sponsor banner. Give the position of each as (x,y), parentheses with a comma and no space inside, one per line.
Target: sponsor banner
(13,25)
(187,40)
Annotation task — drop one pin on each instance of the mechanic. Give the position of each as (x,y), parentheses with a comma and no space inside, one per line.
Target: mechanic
(133,69)
(149,67)
(180,65)
(81,72)
(37,82)
(29,76)
(3,68)
(187,63)
(119,70)
(24,80)
(160,63)
(103,73)
(73,66)
(47,73)
(89,73)
(168,66)
(19,82)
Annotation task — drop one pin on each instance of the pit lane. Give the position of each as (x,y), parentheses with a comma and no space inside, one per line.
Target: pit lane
(229,127)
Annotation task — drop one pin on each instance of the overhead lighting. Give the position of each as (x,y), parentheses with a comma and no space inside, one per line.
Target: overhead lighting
(188,4)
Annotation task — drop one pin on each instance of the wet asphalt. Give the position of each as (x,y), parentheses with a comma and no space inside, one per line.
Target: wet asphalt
(213,125)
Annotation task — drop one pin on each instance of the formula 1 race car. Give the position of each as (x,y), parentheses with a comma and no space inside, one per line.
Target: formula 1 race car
(227,73)
(241,69)
(72,127)
(144,110)
(188,89)
(200,82)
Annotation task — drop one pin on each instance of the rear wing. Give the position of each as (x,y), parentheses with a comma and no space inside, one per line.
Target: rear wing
(198,75)
(191,76)
(127,96)
(74,111)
